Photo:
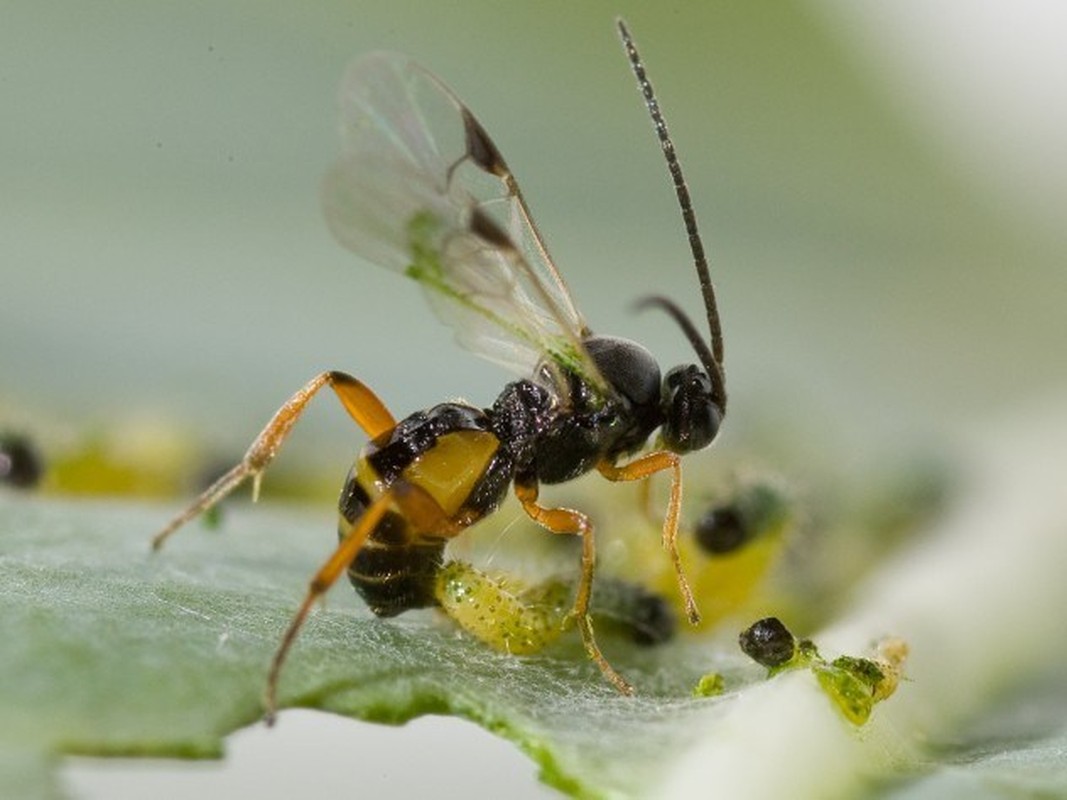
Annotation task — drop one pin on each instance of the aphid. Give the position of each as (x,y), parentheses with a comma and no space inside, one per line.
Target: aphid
(514,617)
(755,510)
(729,550)
(20,464)
(737,543)
(644,616)
(420,188)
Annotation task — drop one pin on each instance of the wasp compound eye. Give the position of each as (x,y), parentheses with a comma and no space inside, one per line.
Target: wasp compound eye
(691,416)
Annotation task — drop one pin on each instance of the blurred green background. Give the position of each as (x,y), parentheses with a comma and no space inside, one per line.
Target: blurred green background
(880,187)
(164,254)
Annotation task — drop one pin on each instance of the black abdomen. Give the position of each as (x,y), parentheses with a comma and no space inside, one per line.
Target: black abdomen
(392,572)
(453,458)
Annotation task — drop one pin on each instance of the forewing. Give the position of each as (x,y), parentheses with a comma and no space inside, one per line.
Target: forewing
(421,189)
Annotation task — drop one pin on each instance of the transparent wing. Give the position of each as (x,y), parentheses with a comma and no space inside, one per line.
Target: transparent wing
(421,189)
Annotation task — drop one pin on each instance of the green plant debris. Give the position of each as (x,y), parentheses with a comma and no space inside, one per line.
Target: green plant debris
(710,685)
(854,684)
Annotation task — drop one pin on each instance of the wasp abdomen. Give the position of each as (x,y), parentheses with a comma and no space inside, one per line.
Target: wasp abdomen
(393,571)
(449,454)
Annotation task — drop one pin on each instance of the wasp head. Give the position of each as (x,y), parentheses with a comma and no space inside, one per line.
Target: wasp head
(692,397)
(691,415)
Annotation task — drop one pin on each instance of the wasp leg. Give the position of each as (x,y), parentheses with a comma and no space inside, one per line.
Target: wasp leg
(505,615)
(640,469)
(566,520)
(327,575)
(359,401)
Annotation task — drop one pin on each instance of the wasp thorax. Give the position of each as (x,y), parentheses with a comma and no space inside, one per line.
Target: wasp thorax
(691,417)
(628,366)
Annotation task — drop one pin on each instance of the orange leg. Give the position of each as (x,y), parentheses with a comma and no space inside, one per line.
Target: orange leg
(359,401)
(325,578)
(644,467)
(566,520)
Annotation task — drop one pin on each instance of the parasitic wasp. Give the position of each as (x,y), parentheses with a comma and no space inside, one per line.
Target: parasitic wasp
(421,189)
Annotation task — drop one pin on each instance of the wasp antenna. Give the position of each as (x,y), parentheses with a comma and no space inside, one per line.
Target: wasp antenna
(681,190)
(713,367)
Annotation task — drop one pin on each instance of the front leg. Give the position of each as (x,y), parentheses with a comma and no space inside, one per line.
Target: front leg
(569,521)
(641,469)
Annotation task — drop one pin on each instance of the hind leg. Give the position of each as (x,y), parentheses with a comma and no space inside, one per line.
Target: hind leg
(359,401)
(326,577)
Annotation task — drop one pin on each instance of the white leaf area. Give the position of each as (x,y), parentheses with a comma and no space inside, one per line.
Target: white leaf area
(978,598)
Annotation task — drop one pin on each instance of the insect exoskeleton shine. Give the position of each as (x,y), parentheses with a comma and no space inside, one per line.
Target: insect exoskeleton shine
(420,188)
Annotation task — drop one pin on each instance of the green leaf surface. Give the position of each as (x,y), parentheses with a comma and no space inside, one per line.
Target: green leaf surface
(1017,748)
(111,650)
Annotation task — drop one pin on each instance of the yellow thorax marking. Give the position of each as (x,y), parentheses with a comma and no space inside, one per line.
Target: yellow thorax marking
(449,471)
